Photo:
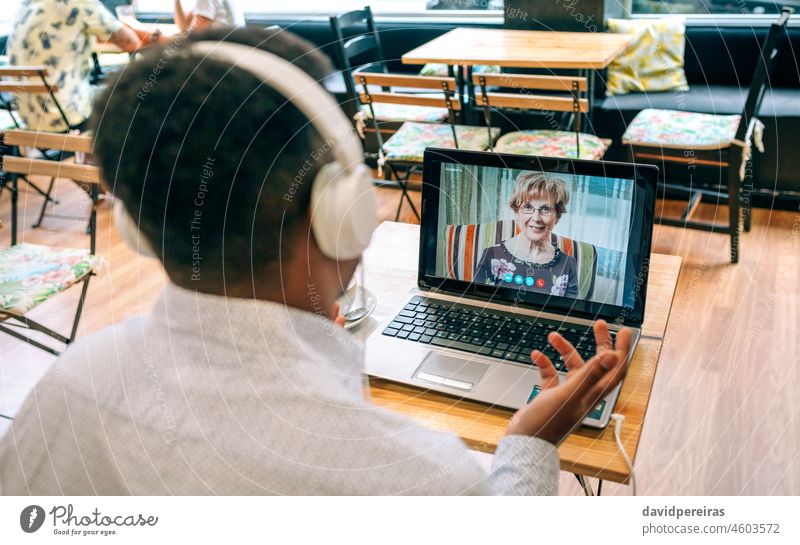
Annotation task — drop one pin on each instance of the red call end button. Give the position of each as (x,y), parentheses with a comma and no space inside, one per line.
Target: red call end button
(540,282)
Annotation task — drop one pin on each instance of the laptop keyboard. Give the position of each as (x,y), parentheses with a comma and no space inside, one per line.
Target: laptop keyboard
(486,332)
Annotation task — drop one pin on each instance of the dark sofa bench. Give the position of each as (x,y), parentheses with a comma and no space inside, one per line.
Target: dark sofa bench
(719,64)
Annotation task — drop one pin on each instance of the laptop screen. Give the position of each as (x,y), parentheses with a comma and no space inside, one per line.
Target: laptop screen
(564,235)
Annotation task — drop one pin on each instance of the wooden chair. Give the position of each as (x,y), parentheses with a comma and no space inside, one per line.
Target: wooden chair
(564,94)
(7,90)
(360,50)
(35,82)
(402,153)
(31,274)
(688,139)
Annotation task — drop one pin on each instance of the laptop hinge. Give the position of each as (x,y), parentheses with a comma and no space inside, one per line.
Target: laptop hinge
(473,297)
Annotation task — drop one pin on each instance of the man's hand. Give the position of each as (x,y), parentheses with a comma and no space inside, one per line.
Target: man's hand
(560,407)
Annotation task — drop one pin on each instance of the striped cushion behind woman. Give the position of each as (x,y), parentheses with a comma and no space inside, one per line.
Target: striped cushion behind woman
(466,243)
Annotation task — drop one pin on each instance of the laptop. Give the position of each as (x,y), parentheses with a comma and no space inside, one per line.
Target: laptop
(513,247)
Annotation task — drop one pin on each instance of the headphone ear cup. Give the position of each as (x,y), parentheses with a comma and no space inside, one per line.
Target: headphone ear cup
(343,210)
(130,231)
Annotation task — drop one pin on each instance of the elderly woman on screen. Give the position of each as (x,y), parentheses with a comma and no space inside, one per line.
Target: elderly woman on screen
(529,259)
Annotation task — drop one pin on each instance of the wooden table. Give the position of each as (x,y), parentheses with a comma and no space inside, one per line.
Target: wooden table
(391,271)
(521,48)
(582,51)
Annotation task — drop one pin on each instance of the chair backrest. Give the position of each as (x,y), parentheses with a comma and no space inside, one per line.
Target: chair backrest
(465,244)
(87,176)
(761,77)
(361,46)
(430,91)
(29,79)
(564,94)
(20,85)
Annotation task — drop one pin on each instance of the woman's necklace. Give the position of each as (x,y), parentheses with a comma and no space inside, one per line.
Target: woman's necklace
(549,251)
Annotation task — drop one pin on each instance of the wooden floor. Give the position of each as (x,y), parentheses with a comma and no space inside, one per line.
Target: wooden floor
(723,417)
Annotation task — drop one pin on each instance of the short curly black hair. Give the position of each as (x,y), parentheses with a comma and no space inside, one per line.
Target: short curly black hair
(212,165)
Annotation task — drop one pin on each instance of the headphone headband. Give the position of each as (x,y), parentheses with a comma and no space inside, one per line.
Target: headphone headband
(343,209)
(316,104)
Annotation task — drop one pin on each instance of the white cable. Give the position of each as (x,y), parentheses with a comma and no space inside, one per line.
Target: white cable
(618,421)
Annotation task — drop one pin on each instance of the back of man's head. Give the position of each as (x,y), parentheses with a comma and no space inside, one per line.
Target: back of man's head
(213,166)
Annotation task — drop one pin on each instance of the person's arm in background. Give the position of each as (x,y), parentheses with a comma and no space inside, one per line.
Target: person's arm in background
(99,22)
(147,34)
(127,39)
(202,16)
(199,23)
(182,18)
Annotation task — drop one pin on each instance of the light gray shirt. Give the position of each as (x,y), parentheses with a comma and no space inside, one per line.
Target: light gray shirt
(215,395)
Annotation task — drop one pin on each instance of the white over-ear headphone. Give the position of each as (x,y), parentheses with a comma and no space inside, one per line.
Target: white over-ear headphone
(343,208)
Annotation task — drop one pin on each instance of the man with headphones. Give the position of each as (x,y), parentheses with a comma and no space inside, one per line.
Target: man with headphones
(242,176)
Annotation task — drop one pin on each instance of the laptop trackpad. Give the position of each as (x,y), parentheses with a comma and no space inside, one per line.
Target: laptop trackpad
(449,371)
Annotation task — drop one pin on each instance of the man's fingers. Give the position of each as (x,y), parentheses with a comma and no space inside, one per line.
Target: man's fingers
(546,370)
(601,336)
(594,372)
(604,385)
(624,338)
(619,361)
(572,359)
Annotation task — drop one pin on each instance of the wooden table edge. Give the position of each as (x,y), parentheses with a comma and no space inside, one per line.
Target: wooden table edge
(615,471)
(678,273)
(414,60)
(677,269)
(510,64)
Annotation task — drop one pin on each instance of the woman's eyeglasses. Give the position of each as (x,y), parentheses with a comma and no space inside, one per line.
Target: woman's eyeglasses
(528,209)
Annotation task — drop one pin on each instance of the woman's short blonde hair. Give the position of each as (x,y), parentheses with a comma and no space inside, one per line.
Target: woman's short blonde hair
(535,185)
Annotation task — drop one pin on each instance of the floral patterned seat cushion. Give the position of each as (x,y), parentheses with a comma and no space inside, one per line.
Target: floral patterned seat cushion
(31,274)
(681,130)
(551,144)
(411,139)
(405,112)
